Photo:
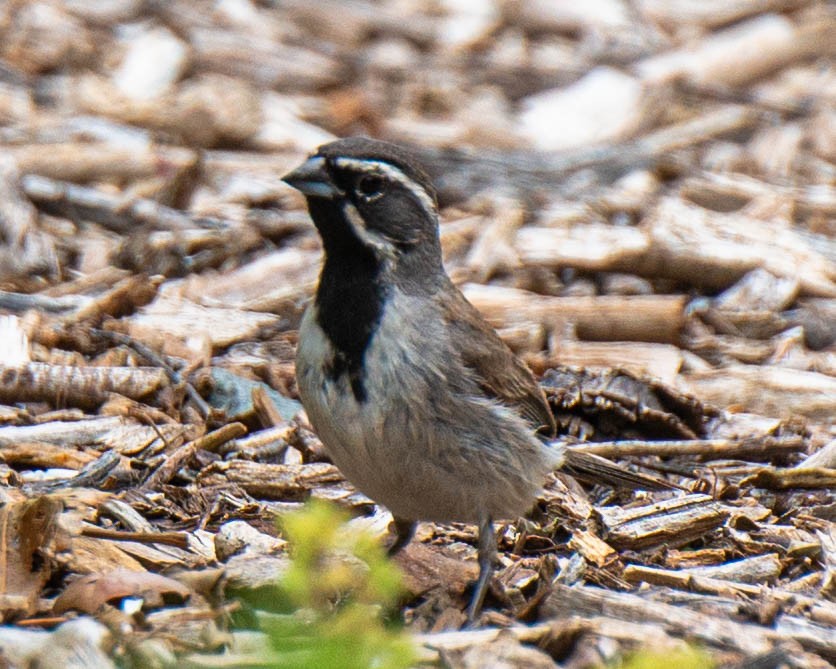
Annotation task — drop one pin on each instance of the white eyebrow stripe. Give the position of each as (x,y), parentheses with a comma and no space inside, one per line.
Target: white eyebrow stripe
(394,174)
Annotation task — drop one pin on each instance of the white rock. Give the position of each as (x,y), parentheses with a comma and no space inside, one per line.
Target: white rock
(155,58)
(14,344)
(604,105)
(283,129)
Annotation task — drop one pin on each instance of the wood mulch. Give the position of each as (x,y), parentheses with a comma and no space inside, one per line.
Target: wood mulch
(641,197)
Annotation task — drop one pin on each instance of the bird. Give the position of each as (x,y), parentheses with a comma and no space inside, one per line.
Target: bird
(413,394)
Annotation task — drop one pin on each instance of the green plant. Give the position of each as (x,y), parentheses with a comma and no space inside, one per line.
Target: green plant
(685,658)
(333,598)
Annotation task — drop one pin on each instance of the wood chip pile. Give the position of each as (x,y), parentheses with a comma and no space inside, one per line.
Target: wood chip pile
(640,196)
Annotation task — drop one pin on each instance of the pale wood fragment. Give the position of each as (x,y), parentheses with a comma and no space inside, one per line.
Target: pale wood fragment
(180,326)
(739,54)
(684,14)
(824,457)
(661,361)
(270,481)
(708,449)
(27,250)
(590,601)
(795,477)
(673,522)
(252,287)
(715,249)
(71,433)
(724,186)
(682,241)
(96,162)
(656,318)
(774,391)
(756,570)
(262,61)
(78,386)
(123,213)
(42,454)
(593,548)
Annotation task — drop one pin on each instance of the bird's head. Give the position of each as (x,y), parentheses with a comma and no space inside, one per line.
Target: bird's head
(366,195)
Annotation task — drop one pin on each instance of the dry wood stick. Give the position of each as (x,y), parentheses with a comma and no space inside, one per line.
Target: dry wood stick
(707,448)
(211,441)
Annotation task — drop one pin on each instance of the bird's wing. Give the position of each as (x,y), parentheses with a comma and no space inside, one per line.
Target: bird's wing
(504,376)
(500,373)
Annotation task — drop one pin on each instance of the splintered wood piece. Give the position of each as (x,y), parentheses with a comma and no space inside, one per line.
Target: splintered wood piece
(689,16)
(70,433)
(77,386)
(266,481)
(701,557)
(661,361)
(115,212)
(752,448)
(682,241)
(43,454)
(26,249)
(773,391)
(179,458)
(689,581)
(125,297)
(616,403)
(781,479)
(175,323)
(593,548)
(83,161)
(735,56)
(672,522)
(252,286)
(712,630)
(816,609)
(176,539)
(587,246)
(820,638)
(27,532)
(654,318)
(723,186)
(757,570)
(265,62)
(824,457)
(716,249)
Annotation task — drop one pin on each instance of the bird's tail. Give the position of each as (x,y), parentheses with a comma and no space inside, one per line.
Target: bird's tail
(594,469)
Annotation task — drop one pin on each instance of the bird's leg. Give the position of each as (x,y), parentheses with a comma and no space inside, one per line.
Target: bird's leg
(404,529)
(487,558)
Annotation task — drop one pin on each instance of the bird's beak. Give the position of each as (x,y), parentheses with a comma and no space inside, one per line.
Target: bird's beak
(312,179)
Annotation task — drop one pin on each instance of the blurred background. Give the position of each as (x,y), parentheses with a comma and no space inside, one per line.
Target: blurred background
(640,154)
(639,194)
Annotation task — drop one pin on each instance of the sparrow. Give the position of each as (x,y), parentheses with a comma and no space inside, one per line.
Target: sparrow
(415,397)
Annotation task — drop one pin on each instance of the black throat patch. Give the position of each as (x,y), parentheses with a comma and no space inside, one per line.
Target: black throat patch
(349,302)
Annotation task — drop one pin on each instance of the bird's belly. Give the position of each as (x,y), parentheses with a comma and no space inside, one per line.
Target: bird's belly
(412,443)
(417,468)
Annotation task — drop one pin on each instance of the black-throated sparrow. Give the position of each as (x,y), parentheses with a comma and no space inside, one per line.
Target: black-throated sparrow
(414,395)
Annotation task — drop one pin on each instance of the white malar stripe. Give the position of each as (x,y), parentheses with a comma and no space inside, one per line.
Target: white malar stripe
(392,173)
(371,239)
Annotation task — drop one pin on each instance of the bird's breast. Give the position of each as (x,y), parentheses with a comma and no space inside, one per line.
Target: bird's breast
(424,441)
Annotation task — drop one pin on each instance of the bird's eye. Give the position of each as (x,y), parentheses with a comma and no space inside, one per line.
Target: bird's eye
(370,186)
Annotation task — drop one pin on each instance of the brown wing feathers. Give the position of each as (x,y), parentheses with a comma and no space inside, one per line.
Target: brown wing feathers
(501,374)
(504,376)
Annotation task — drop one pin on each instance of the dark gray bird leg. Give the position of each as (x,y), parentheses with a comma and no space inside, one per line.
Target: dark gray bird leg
(404,529)
(487,559)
